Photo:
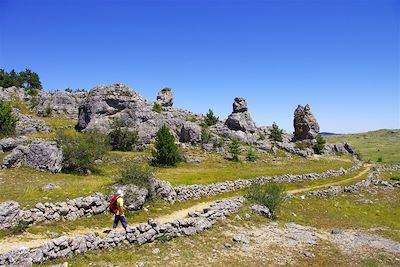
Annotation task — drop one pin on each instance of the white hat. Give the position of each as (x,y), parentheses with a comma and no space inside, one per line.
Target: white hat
(120,192)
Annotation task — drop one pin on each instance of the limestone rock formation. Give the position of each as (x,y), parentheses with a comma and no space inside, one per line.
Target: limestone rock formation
(305,124)
(106,103)
(60,102)
(165,97)
(27,124)
(9,214)
(240,119)
(11,93)
(8,144)
(190,133)
(40,155)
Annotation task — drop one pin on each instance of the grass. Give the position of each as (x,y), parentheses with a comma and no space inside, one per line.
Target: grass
(216,169)
(373,145)
(347,212)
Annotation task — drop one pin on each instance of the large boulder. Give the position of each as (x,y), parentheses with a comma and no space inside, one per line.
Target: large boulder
(118,102)
(27,124)
(10,214)
(40,155)
(240,119)
(12,93)
(305,124)
(190,133)
(60,102)
(165,97)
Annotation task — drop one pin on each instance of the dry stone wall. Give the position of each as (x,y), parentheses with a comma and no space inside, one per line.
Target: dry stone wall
(64,247)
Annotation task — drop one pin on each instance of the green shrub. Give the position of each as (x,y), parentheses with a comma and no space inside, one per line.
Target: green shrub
(136,175)
(270,195)
(276,133)
(165,150)
(7,119)
(20,227)
(210,118)
(261,136)
(234,149)
(48,111)
(251,154)
(380,159)
(320,144)
(81,150)
(121,138)
(68,90)
(205,135)
(157,108)
(301,145)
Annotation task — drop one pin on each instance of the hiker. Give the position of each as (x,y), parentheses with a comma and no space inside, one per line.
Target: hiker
(117,207)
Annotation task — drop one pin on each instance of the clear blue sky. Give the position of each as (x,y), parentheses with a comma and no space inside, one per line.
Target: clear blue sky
(341,57)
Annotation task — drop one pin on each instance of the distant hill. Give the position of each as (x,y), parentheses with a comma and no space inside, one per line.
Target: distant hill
(327,133)
(381,145)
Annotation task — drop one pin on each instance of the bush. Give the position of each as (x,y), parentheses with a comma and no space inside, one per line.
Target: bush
(320,144)
(165,150)
(270,195)
(20,227)
(210,118)
(157,108)
(121,138)
(301,145)
(251,154)
(205,135)
(234,149)
(380,159)
(7,119)
(276,133)
(81,150)
(136,175)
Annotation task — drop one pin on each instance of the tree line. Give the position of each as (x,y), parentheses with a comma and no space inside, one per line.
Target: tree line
(27,79)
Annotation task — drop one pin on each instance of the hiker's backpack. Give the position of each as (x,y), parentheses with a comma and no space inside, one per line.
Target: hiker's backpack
(113,206)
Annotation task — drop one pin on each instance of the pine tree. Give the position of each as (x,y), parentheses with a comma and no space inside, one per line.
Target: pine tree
(7,119)
(234,149)
(165,150)
(210,118)
(276,133)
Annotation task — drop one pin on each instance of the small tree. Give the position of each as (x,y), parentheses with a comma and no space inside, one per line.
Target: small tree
(7,119)
(251,154)
(210,118)
(121,138)
(234,149)
(276,133)
(165,151)
(157,108)
(320,144)
(205,135)
(81,150)
(270,195)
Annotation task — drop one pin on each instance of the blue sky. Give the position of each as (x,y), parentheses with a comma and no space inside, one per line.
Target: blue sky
(342,57)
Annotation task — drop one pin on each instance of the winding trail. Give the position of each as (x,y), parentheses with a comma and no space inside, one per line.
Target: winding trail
(30,240)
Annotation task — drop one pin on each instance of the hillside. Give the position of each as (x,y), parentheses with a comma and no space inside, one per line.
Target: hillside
(381,144)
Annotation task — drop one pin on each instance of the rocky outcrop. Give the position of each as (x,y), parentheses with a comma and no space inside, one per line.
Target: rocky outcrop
(10,214)
(190,133)
(8,144)
(27,124)
(340,148)
(260,209)
(64,246)
(60,102)
(305,124)
(165,97)
(12,93)
(40,155)
(118,102)
(240,119)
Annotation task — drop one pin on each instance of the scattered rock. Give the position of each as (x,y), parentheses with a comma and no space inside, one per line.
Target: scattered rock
(10,214)
(305,124)
(50,186)
(155,251)
(309,254)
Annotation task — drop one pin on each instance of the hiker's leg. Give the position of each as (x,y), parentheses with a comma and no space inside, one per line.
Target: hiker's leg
(123,222)
(116,219)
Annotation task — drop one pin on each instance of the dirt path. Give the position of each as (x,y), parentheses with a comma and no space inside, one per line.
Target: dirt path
(354,178)
(30,240)
(35,240)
